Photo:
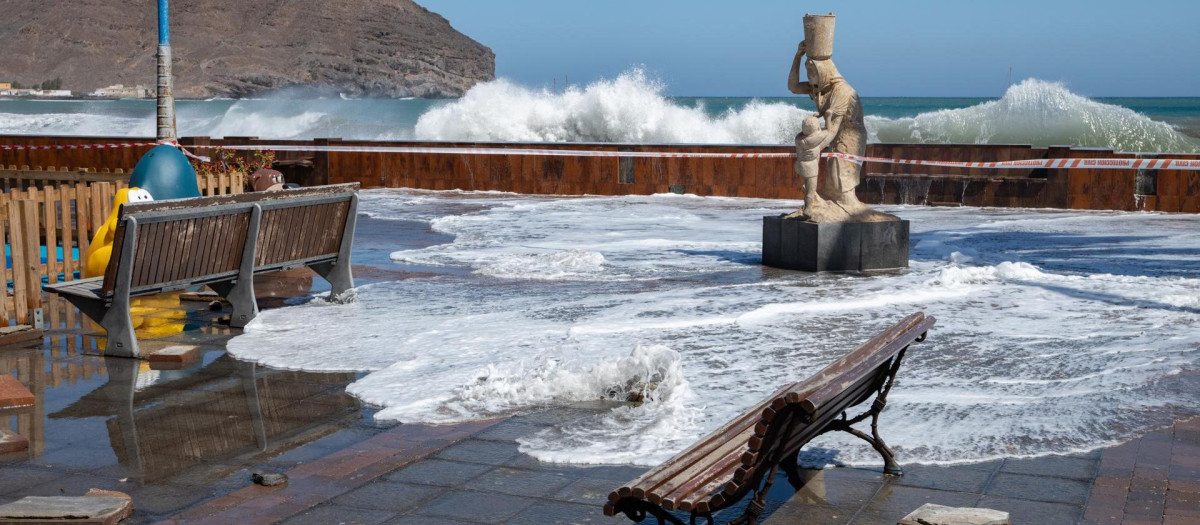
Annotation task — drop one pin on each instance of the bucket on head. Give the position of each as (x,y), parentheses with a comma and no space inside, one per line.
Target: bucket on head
(818,36)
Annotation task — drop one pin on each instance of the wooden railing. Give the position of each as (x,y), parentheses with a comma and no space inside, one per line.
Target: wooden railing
(26,177)
(57,212)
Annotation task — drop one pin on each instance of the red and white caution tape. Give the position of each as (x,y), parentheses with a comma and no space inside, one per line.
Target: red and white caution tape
(1094,164)
(43,147)
(1091,164)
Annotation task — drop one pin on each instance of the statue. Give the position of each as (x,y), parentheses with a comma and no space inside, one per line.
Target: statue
(844,131)
(834,232)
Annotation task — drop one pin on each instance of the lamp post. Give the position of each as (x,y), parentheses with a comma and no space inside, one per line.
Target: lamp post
(166,97)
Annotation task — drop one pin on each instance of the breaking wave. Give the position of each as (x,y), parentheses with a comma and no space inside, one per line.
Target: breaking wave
(633,108)
(1039,113)
(630,108)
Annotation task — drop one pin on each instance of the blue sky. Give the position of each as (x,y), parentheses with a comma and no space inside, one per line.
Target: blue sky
(885,48)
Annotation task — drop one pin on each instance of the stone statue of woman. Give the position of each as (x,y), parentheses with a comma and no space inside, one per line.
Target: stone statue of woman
(842,110)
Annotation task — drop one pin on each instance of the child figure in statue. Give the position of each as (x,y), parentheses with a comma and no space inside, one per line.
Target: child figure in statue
(809,143)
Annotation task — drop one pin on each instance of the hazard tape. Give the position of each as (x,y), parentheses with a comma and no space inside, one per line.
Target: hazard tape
(43,147)
(1093,164)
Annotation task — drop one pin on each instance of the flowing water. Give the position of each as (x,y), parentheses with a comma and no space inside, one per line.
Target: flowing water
(1058,330)
(633,108)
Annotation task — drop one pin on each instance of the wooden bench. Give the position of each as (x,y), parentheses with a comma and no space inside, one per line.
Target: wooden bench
(744,455)
(221,242)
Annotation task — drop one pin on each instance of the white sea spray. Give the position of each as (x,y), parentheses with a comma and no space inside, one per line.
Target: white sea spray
(1058,330)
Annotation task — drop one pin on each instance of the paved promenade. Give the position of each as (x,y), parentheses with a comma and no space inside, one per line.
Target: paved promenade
(183,438)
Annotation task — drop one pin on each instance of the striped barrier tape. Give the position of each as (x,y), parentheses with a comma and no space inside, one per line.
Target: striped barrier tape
(35,147)
(1085,163)
(1097,163)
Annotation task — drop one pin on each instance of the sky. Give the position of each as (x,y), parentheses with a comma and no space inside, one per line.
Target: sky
(1097,48)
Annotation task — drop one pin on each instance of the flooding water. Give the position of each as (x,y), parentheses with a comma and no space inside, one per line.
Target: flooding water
(1058,330)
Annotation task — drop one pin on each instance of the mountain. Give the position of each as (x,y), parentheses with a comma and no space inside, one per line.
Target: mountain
(238,48)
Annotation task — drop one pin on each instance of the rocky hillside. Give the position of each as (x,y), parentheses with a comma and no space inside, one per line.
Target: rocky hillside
(236,48)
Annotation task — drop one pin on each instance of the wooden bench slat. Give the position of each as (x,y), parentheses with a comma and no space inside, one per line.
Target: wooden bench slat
(730,462)
(656,476)
(179,243)
(677,485)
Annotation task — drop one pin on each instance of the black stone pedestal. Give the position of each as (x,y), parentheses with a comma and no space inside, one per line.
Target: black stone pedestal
(794,244)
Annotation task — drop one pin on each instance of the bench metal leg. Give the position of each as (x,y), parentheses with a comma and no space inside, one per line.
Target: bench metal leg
(338,272)
(339,277)
(118,325)
(890,466)
(638,510)
(241,296)
(114,319)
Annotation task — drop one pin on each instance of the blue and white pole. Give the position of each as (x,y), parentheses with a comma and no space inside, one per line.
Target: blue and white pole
(166,97)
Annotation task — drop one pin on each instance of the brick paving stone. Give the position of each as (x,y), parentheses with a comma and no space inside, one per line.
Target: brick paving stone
(944,478)
(164,499)
(869,517)
(341,472)
(479,451)
(838,493)
(1056,466)
(593,491)
(520,482)
(1098,515)
(415,519)
(509,430)
(560,513)
(482,507)
(439,472)
(794,514)
(1039,488)
(899,498)
(13,478)
(390,496)
(1040,512)
(341,515)
(74,485)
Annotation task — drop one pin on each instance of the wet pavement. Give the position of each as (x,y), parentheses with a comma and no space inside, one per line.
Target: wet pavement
(182,438)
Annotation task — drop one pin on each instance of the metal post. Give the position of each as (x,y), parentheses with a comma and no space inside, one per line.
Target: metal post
(166,97)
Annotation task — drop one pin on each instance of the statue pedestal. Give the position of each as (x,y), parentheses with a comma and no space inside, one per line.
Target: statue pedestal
(794,244)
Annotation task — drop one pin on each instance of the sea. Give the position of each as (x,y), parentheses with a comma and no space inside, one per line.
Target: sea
(632,108)
(1058,330)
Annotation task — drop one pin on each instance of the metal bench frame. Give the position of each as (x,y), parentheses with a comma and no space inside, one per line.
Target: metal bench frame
(788,422)
(111,309)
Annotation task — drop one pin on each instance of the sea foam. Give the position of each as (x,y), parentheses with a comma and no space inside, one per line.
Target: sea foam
(1056,332)
(631,107)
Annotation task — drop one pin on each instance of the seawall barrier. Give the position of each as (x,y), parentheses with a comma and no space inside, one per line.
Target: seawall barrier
(1130,190)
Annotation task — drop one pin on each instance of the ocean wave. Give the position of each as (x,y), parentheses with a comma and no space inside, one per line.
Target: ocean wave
(629,108)
(633,108)
(1039,113)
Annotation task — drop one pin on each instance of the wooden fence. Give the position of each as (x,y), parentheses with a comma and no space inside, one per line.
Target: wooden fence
(48,225)
(26,177)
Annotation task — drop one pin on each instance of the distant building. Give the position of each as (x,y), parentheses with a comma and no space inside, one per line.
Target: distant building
(5,86)
(21,92)
(56,92)
(123,91)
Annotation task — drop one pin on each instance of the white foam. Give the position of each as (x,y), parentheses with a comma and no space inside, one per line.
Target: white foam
(1058,331)
(1040,113)
(628,108)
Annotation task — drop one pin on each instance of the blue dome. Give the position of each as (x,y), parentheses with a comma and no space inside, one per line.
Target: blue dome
(166,173)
